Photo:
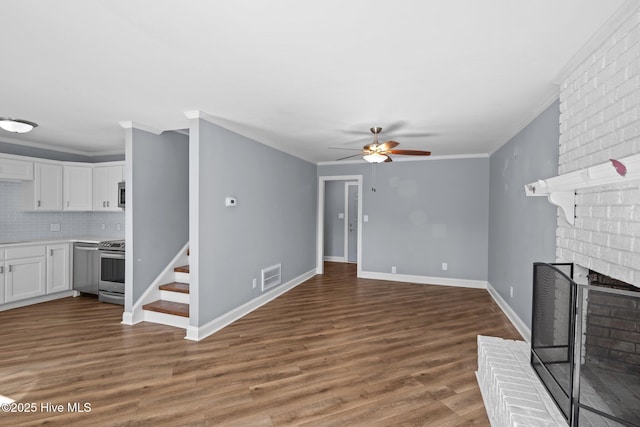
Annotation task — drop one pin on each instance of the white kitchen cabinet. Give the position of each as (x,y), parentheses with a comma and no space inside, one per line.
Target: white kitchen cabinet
(77,187)
(58,268)
(24,272)
(105,187)
(44,193)
(15,169)
(2,276)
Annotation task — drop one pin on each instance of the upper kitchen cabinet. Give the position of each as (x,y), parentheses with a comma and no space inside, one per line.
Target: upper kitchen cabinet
(44,193)
(15,169)
(78,187)
(105,187)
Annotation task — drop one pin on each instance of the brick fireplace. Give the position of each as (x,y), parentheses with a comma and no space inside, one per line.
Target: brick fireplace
(613,331)
(598,233)
(600,120)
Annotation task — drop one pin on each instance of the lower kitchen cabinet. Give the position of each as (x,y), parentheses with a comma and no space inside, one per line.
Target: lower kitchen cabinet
(34,270)
(58,274)
(24,278)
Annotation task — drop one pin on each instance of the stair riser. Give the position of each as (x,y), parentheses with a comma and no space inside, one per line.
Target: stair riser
(174,297)
(181,277)
(166,319)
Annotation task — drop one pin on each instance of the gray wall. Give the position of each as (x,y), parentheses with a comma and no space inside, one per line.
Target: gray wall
(333,226)
(273,222)
(522,229)
(160,203)
(424,213)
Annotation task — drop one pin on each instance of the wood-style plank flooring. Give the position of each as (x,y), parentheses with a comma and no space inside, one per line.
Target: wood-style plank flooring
(335,351)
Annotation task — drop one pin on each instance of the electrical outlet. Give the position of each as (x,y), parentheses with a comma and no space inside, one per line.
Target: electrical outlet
(511,291)
(445,266)
(54,227)
(255,283)
(103,226)
(393,269)
(117,227)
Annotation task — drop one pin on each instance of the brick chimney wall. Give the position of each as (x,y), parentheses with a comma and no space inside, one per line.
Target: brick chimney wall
(600,120)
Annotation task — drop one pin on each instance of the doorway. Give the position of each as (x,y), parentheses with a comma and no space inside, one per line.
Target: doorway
(351,222)
(356,181)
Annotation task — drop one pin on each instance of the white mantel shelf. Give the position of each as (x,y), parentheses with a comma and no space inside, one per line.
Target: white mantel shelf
(561,189)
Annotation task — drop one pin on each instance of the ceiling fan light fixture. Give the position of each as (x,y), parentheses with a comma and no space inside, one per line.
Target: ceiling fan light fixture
(16,125)
(375,158)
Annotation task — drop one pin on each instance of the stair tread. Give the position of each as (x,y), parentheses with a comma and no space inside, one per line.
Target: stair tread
(175,287)
(168,307)
(182,269)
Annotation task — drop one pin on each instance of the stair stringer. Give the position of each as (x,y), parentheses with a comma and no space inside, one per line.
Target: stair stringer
(152,293)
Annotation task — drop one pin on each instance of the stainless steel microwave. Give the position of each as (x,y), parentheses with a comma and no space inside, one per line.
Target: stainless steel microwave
(121,194)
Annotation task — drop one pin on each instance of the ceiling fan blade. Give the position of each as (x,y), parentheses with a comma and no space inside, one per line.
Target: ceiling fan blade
(393,127)
(388,145)
(411,152)
(348,157)
(342,148)
(388,159)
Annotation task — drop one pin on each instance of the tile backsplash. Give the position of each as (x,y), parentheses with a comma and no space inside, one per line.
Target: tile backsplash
(17,225)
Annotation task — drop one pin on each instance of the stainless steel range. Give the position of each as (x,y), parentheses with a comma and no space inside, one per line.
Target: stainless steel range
(111,284)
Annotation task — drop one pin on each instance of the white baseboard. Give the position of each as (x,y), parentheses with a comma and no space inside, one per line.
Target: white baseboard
(335,259)
(197,333)
(36,300)
(424,280)
(511,315)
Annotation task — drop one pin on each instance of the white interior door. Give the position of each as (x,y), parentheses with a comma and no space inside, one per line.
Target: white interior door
(351,238)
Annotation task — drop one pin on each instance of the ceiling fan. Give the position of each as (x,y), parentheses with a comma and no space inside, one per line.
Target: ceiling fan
(377,152)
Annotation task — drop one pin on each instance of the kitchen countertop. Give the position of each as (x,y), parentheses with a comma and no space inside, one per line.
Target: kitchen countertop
(84,239)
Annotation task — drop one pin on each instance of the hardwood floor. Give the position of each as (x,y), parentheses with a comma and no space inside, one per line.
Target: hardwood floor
(335,351)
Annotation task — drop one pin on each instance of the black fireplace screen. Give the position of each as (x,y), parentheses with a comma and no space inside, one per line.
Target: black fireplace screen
(603,388)
(552,331)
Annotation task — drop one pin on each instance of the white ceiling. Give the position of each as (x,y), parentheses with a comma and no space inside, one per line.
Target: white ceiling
(300,76)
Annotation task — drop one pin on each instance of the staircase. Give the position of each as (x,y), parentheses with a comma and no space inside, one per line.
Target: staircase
(173,306)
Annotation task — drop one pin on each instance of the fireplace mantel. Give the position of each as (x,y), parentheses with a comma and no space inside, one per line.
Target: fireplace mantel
(560,190)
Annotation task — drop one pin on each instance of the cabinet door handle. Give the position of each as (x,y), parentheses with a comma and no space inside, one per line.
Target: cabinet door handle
(67,203)
(1,269)
(38,203)
(104,204)
(51,252)
(9,268)
(108,203)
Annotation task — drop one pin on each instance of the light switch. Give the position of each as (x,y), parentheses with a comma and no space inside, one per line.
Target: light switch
(341,215)
(365,218)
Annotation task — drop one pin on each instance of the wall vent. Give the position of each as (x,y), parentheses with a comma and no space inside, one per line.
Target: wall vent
(271,276)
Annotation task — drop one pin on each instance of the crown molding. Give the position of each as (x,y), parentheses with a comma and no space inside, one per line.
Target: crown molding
(624,12)
(135,125)
(550,99)
(199,114)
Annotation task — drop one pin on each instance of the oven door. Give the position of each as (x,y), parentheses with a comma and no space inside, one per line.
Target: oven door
(111,272)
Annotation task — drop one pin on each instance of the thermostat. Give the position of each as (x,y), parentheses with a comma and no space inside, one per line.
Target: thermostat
(230,201)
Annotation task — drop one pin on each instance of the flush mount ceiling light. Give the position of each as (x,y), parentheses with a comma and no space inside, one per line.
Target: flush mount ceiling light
(16,125)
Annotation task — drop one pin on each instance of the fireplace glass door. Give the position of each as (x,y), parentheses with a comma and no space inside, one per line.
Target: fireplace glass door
(609,355)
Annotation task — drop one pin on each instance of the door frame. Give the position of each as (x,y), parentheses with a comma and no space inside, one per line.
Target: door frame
(348,184)
(320,216)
